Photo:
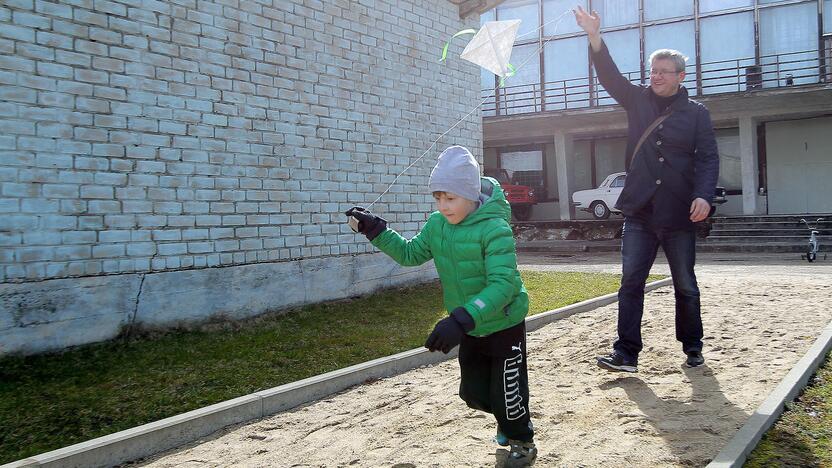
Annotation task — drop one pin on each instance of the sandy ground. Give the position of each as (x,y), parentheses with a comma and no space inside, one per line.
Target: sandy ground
(761,314)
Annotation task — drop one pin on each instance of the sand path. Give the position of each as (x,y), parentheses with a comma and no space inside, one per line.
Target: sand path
(761,314)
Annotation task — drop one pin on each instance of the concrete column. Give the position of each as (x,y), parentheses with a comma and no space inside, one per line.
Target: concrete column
(563,148)
(490,158)
(749,164)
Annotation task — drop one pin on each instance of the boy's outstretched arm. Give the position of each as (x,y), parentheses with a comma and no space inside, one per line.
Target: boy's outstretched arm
(413,252)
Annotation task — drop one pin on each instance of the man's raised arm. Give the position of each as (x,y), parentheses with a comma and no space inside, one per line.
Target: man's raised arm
(611,79)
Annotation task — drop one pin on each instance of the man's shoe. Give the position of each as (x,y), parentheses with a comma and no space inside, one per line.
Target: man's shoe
(617,362)
(695,359)
(521,454)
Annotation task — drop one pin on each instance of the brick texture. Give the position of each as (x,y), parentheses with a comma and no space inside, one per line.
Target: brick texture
(150,136)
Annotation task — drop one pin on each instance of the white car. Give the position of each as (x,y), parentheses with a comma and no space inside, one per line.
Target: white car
(601,201)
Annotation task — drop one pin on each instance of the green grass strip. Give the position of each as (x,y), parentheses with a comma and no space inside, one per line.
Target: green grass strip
(51,401)
(803,434)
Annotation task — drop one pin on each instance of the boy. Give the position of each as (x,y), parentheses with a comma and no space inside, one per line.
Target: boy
(471,243)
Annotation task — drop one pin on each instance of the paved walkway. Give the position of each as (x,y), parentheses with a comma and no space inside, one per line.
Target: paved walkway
(761,314)
(706,263)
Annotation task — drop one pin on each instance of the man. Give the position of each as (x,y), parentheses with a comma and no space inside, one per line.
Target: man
(671,178)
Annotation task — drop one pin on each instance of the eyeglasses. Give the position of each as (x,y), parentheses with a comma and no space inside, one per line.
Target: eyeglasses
(664,72)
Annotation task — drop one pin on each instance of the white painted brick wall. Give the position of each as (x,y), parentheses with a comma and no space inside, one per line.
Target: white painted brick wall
(148,136)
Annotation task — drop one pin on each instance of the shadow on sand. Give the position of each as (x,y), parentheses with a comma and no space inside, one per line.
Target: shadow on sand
(717,420)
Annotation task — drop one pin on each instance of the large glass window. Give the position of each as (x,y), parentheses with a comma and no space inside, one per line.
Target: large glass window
(566,71)
(724,63)
(581,166)
(788,45)
(525,167)
(779,31)
(661,9)
(624,49)
(526,11)
(610,154)
(707,6)
(679,36)
(521,93)
(489,15)
(521,161)
(827,17)
(558,17)
(730,166)
(788,33)
(616,12)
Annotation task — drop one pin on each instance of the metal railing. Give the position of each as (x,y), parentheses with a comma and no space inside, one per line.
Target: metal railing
(719,77)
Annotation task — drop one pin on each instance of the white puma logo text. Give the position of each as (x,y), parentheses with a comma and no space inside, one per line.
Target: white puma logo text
(511,386)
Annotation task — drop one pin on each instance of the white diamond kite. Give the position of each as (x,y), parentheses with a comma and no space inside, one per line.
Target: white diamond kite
(491,46)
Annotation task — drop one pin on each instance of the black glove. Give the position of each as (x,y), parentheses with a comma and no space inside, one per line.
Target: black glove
(449,331)
(368,224)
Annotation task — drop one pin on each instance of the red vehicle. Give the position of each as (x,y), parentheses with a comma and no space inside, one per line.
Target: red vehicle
(520,197)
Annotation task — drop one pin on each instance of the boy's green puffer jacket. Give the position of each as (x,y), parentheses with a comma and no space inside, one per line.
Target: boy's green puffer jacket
(476,261)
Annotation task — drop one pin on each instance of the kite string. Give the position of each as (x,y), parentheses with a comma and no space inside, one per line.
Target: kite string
(493,90)
(546,24)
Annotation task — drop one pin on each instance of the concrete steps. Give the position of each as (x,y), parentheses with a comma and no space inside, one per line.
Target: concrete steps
(773,247)
(761,234)
(769,233)
(763,231)
(775,219)
(757,239)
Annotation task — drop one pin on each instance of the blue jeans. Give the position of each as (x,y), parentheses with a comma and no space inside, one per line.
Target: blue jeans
(640,242)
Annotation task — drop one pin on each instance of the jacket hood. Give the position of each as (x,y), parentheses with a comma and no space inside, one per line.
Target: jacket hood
(493,203)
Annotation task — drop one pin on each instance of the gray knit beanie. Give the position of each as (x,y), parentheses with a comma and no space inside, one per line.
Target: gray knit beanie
(457,172)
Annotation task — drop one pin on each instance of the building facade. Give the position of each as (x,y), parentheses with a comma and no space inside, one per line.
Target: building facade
(170,162)
(762,67)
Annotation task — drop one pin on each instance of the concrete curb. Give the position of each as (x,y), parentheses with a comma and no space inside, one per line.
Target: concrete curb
(539,320)
(735,452)
(168,433)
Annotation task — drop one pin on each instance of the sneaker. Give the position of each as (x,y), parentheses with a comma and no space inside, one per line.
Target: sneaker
(501,438)
(521,454)
(695,359)
(617,362)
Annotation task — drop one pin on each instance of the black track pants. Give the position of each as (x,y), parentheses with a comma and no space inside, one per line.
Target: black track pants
(495,379)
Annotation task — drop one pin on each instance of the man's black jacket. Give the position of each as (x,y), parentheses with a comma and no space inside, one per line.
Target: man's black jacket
(676,164)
